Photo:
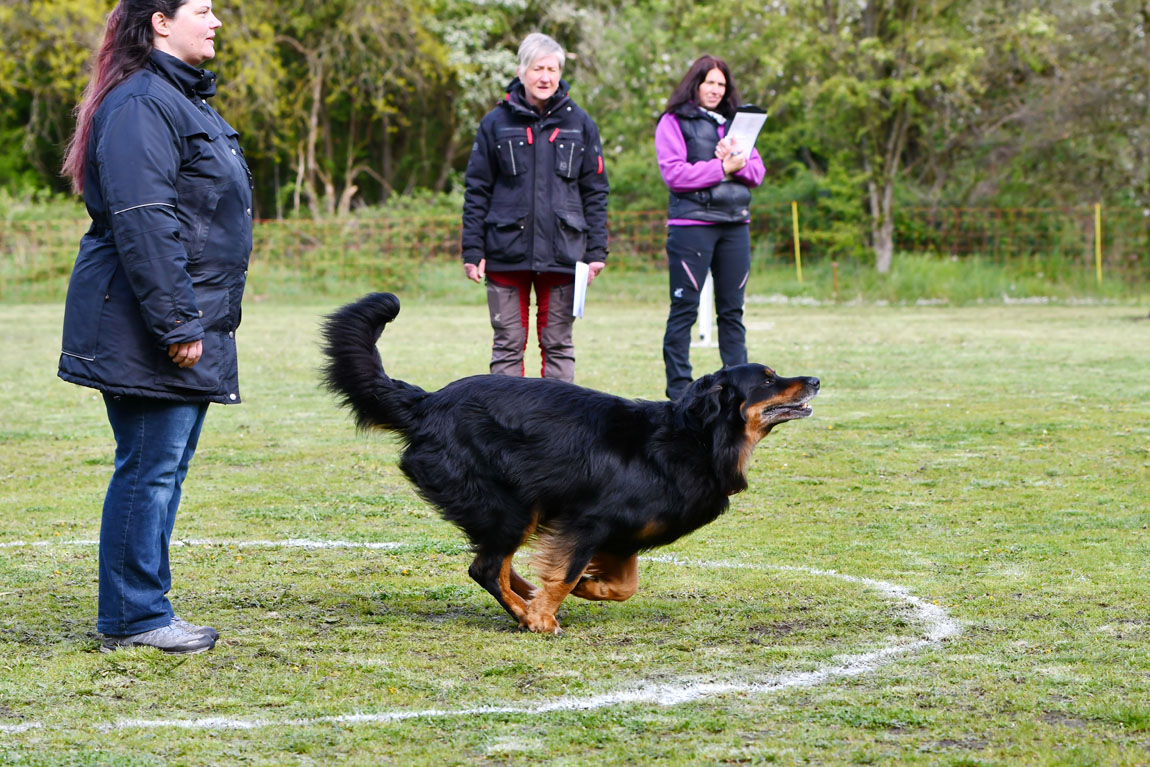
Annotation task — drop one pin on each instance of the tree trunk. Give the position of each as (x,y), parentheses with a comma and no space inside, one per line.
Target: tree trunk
(386,170)
(345,198)
(316,67)
(883,234)
(881,199)
(445,166)
(299,174)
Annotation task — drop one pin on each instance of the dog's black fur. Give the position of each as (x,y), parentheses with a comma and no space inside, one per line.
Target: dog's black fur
(590,477)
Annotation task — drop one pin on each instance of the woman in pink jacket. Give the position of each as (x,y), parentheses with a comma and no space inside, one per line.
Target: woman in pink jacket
(709,178)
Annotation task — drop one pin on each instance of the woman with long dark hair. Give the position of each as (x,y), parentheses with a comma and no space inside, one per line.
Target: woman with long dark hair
(709,178)
(154,298)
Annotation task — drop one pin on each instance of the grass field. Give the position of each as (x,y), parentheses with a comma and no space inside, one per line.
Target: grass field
(987,466)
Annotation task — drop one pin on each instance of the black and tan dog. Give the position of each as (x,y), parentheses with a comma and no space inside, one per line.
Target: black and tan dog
(589,478)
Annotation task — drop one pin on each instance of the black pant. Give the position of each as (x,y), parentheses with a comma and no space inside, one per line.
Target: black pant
(725,249)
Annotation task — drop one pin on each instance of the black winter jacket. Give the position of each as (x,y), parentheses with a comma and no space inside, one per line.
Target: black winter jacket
(536,188)
(166,257)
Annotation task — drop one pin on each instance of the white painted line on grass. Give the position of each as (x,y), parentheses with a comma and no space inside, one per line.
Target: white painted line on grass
(290,543)
(936,623)
(31,544)
(15,729)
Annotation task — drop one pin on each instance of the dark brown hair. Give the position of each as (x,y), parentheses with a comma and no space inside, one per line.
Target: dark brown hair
(127,45)
(688,88)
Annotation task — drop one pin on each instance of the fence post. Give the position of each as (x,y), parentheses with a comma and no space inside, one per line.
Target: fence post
(1098,240)
(795,227)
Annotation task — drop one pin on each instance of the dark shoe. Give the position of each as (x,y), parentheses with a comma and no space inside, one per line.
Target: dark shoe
(169,639)
(180,623)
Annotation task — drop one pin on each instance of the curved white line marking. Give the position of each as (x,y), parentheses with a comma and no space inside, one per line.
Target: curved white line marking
(290,543)
(937,625)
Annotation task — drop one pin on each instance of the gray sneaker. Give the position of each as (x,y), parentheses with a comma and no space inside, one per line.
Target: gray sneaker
(170,639)
(180,623)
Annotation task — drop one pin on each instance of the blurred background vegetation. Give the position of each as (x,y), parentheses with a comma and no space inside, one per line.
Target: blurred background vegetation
(886,115)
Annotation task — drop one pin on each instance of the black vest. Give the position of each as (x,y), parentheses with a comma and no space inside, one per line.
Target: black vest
(728,202)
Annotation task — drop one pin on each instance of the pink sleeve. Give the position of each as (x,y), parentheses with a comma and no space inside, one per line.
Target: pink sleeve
(671,153)
(753,172)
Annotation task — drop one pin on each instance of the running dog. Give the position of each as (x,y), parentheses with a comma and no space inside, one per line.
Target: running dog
(589,479)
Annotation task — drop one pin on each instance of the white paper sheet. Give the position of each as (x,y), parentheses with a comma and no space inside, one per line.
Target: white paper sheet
(581,270)
(745,129)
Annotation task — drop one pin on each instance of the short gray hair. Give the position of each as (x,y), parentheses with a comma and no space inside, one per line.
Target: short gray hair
(537,45)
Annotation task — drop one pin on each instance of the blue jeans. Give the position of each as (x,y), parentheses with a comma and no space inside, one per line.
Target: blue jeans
(725,249)
(155,441)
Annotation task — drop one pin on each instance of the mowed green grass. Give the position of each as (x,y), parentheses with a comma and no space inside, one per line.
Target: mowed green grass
(993,460)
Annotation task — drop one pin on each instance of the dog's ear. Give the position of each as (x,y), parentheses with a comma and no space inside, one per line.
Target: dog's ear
(702,402)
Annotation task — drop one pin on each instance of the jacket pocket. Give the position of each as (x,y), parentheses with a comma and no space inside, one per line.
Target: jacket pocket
(568,157)
(570,238)
(503,238)
(85,305)
(204,376)
(197,212)
(513,153)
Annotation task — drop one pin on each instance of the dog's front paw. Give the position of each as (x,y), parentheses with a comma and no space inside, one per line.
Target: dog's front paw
(543,624)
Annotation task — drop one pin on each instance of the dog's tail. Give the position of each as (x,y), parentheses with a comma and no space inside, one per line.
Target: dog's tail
(354,371)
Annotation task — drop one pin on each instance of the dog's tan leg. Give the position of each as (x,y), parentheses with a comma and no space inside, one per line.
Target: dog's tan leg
(551,562)
(493,572)
(541,610)
(522,586)
(512,596)
(609,577)
(519,584)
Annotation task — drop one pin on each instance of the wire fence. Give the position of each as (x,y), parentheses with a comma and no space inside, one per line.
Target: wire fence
(337,255)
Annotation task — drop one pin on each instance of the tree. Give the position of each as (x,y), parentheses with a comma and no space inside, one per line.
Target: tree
(875,75)
(41,78)
(355,81)
(1067,106)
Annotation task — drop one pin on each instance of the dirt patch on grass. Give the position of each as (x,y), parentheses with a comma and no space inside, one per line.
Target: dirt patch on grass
(971,744)
(1066,720)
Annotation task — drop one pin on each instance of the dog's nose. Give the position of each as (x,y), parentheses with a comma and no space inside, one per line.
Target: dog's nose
(814,383)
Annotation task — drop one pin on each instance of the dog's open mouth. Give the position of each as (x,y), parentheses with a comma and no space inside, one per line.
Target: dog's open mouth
(788,412)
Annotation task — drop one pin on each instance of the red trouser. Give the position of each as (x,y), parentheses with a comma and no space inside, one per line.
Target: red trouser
(508,301)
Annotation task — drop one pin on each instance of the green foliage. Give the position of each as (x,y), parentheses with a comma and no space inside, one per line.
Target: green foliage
(634,176)
(48,46)
(874,105)
(42,205)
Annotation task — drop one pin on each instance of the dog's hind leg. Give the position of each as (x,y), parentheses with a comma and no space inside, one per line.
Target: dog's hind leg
(494,573)
(522,586)
(608,577)
(492,568)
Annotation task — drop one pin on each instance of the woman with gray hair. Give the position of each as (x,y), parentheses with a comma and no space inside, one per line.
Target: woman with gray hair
(535,205)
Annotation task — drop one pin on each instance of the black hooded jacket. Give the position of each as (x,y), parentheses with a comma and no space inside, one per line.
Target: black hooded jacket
(166,257)
(536,187)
